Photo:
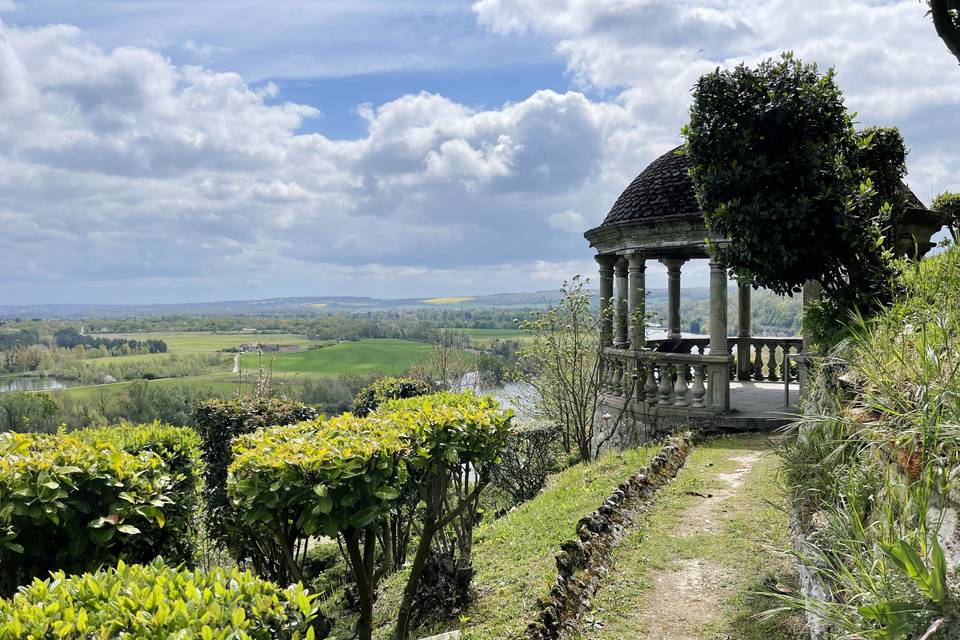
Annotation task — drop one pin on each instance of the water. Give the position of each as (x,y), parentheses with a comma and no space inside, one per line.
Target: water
(26,383)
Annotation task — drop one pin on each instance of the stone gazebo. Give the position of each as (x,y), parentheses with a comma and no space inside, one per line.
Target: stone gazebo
(657,218)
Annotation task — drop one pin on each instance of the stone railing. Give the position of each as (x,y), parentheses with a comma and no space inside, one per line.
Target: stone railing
(767,356)
(647,380)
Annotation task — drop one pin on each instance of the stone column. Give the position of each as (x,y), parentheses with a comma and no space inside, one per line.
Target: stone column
(606,297)
(638,299)
(719,384)
(673,296)
(621,339)
(743,331)
(812,290)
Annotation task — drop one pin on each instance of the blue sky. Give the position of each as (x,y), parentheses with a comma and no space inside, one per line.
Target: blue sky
(164,150)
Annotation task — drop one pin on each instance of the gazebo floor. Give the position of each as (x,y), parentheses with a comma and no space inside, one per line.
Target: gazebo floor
(759,406)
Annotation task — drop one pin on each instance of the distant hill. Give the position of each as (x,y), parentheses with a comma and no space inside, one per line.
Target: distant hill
(305,305)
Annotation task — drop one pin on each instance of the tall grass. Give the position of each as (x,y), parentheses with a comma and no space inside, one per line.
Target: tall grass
(876,454)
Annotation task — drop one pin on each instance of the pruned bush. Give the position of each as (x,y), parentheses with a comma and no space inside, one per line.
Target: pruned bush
(347,476)
(531,455)
(179,448)
(372,396)
(219,422)
(335,477)
(157,601)
(455,441)
(71,503)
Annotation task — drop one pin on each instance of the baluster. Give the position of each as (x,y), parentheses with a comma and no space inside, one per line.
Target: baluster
(616,388)
(758,361)
(604,368)
(639,388)
(650,388)
(699,390)
(680,387)
(628,380)
(665,386)
(772,363)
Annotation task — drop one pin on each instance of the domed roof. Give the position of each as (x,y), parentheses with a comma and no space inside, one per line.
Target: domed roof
(663,190)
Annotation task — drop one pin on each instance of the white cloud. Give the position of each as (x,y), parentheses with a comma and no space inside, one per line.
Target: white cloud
(125,173)
(569,220)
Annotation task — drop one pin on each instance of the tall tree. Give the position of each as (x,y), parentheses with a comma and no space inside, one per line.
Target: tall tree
(946,20)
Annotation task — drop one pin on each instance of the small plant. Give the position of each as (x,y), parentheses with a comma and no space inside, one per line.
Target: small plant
(158,601)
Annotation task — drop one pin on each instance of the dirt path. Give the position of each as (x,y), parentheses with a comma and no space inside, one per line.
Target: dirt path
(711,542)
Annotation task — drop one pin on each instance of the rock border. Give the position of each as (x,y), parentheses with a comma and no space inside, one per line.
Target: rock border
(583,562)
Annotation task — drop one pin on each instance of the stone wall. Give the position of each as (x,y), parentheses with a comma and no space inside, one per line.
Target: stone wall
(583,562)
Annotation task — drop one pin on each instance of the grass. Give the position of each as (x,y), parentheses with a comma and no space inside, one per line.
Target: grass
(744,550)
(375,355)
(513,556)
(486,337)
(224,383)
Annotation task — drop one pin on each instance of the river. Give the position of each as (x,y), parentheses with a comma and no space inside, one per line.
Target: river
(31,383)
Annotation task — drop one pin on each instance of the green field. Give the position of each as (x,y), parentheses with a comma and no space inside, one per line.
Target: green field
(186,341)
(484,337)
(370,356)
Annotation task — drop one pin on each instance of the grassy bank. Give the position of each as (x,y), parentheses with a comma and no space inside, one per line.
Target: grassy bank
(387,356)
(513,556)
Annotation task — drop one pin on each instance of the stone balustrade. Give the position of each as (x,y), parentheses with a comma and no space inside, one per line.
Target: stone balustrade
(647,380)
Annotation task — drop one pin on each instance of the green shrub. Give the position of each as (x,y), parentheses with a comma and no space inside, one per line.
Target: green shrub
(455,441)
(219,422)
(157,601)
(371,397)
(179,448)
(70,503)
(335,477)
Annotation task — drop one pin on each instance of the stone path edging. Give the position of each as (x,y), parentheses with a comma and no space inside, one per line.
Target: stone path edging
(583,562)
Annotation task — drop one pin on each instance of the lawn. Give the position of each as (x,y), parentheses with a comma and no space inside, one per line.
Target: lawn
(375,355)
(485,337)
(180,341)
(514,555)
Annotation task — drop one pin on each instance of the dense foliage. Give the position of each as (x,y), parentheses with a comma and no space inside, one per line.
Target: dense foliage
(69,337)
(179,449)
(946,20)
(949,204)
(157,601)
(532,454)
(873,471)
(780,172)
(219,422)
(372,396)
(345,477)
(335,477)
(73,502)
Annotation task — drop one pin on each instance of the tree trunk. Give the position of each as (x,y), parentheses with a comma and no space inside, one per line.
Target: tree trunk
(948,27)
(429,530)
(364,628)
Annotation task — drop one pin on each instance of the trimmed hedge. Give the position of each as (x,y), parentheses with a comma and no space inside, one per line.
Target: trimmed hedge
(179,448)
(219,422)
(157,601)
(74,502)
(383,390)
(344,476)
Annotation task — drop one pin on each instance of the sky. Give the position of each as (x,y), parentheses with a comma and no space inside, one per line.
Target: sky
(165,150)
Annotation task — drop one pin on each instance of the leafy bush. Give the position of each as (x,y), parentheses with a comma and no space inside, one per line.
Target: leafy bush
(371,397)
(70,503)
(455,441)
(179,449)
(157,601)
(219,422)
(532,454)
(345,476)
(949,203)
(331,477)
